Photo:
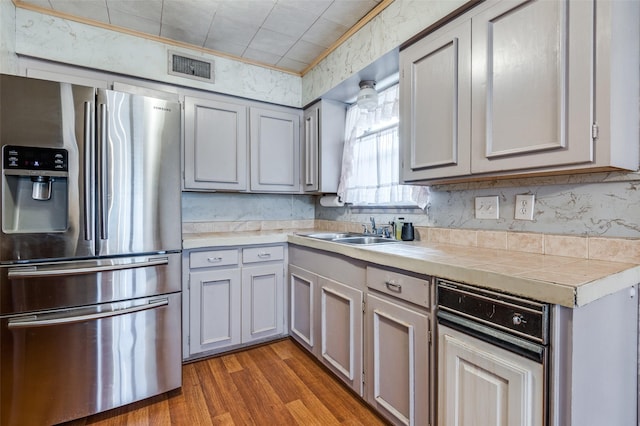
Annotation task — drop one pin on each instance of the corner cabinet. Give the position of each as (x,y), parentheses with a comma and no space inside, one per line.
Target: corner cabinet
(326,293)
(523,87)
(232,297)
(323,145)
(237,145)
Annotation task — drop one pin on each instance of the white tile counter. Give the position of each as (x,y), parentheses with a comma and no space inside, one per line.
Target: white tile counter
(565,281)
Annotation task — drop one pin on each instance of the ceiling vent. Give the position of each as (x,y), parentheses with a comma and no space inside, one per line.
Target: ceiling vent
(185,66)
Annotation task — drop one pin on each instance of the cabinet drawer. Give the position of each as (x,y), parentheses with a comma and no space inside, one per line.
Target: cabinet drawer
(207,259)
(402,286)
(262,254)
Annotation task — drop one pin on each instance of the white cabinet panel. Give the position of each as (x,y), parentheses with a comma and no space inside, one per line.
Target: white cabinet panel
(397,367)
(215,145)
(262,301)
(436,105)
(532,85)
(302,287)
(213,319)
(485,385)
(275,150)
(341,329)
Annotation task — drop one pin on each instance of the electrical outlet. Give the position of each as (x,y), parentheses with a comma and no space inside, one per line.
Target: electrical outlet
(524,207)
(487,207)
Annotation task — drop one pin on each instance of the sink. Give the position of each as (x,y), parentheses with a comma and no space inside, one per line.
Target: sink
(364,240)
(349,238)
(331,235)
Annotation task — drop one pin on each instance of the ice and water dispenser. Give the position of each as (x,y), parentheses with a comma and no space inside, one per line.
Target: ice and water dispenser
(35,188)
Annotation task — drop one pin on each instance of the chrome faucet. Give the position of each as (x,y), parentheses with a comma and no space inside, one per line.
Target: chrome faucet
(374,230)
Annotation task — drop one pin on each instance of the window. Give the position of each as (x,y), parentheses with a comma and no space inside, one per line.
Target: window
(371,158)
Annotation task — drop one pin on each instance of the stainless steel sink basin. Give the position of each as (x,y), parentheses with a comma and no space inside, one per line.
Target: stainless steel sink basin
(331,235)
(364,240)
(349,238)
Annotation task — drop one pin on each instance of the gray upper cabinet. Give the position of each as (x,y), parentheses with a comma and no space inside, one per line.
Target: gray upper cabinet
(323,144)
(238,145)
(436,105)
(532,76)
(552,88)
(275,150)
(215,145)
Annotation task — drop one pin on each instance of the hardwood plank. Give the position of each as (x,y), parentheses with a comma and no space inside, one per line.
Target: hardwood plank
(274,384)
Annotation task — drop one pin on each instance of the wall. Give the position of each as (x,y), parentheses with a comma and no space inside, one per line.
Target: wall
(587,205)
(8,63)
(401,20)
(48,37)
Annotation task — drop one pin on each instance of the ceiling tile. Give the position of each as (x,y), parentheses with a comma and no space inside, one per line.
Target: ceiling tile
(225,30)
(315,7)
(90,9)
(250,12)
(125,20)
(290,21)
(292,65)
(226,47)
(261,56)
(150,10)
(348,12)
(324,32)
(183,34)
(195,16)
(272,42)
(304,51)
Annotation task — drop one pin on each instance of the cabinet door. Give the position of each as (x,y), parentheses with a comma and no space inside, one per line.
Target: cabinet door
(311,143)
(302,292)
(484,385)
(214,319)
(532,85)
(215,145)
(341,330)
(275,151)
(435,106)
(397,368)
(262,301)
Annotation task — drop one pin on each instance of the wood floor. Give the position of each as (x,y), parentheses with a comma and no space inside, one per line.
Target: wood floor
(274,384)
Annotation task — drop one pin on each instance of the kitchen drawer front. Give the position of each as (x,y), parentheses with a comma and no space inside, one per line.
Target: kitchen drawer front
(262,254)
(211,258)
(396,284)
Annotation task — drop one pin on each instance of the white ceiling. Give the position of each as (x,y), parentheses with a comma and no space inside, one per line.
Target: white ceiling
(286,34)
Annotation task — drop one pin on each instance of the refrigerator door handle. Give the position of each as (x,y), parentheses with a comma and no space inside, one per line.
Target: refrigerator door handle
(56,319)
(104,172)
(56,271)
(88,172)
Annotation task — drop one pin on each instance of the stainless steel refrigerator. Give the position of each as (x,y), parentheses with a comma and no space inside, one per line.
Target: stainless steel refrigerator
(89,250)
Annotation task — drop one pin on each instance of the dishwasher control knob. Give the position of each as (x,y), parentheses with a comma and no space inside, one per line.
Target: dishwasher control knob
(518,319)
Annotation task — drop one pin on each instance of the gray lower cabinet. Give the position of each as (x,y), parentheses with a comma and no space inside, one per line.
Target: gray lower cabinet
(397,348)
(232,297)
(326,296)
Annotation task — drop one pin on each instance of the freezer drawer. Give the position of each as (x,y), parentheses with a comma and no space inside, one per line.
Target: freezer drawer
(55,285)
(65,364)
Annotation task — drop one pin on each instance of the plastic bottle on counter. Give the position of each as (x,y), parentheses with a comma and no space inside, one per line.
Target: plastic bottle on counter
(398,228)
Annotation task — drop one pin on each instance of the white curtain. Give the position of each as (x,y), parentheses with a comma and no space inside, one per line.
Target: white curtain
(371,162)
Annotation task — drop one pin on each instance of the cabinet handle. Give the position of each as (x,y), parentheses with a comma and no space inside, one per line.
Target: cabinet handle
(393,286)
(214,259)
(263,255)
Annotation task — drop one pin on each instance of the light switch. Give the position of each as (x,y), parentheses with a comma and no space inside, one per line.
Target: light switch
(487,207)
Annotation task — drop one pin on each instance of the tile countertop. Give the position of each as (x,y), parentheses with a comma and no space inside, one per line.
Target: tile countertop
(567,281)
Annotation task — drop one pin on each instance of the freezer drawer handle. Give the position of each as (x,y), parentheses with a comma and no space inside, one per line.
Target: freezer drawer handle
(31,322)
(43,271)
